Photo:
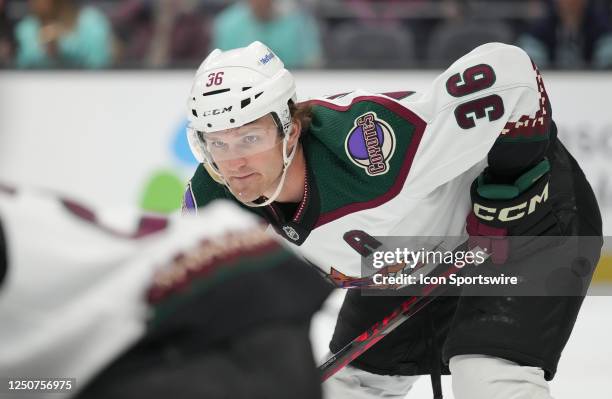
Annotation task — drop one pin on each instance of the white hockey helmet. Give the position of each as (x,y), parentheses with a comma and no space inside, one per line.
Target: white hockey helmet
(232,88)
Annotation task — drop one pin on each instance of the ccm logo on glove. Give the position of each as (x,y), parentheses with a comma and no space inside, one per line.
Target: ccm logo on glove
(513,212)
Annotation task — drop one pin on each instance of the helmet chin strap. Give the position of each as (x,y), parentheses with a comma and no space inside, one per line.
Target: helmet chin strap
(287,159)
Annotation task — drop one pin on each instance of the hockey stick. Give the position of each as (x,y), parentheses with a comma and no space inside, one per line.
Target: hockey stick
(378,331)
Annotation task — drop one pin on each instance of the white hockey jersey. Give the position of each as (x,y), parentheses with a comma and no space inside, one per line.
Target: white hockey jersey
(79,282)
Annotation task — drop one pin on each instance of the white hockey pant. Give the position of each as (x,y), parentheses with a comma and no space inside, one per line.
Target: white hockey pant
(353,383)
(488,377)
(473,377)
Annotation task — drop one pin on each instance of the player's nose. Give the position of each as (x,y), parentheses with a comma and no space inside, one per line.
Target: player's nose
(235,164)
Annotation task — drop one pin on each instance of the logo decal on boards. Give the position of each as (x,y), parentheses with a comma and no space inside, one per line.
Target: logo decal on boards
(371,144)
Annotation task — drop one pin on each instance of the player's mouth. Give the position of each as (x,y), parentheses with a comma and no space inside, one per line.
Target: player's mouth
(242,177)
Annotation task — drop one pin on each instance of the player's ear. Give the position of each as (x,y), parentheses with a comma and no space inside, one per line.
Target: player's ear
(296,129)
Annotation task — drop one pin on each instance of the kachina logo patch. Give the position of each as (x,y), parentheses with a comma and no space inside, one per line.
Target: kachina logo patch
(371,144)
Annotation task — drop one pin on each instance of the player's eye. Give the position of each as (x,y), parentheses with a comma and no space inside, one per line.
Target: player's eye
(218,144)
(251,139)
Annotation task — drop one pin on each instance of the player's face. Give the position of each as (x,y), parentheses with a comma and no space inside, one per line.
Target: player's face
(249,158)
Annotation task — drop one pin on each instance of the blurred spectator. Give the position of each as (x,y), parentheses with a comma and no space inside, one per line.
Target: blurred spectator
(291,32)
(161,32)
(60,33)
(455,38)
(7,41)
(572,34)
(414,20)
(376,11)
(384,12)
(366,45)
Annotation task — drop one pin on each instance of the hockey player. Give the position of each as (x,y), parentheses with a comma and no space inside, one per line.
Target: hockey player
(137,306)
(330,174)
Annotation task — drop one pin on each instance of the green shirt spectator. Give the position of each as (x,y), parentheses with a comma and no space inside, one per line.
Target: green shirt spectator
(291,33)
(87,43)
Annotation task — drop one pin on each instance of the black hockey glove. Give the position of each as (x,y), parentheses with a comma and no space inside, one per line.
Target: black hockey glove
(502,210)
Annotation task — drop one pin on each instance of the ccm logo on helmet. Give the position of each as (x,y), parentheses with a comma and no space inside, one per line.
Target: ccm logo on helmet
(513,212)
(217,111)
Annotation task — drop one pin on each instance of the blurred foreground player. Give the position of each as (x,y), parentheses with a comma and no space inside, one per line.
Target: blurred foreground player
(476,153)
(139,306)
